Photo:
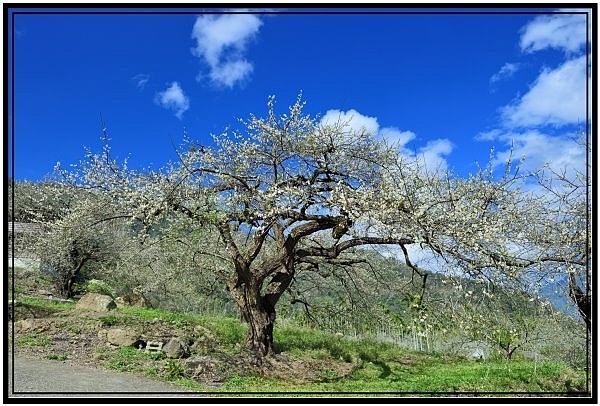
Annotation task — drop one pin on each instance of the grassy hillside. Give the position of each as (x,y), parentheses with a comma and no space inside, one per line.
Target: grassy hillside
(309,361)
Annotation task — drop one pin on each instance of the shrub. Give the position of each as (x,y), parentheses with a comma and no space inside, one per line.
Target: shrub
(175,370)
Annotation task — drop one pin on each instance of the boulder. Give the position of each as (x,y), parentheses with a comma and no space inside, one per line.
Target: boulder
(95,302)
(204,341)
(134,298)
(176,348)
(122,337)
(102,334)
(24,325)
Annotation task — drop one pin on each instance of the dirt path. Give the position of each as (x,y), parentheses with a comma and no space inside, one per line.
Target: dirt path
(36,377)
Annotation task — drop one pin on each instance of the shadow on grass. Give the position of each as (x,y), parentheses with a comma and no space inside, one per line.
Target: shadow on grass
(26,310)
(374,359)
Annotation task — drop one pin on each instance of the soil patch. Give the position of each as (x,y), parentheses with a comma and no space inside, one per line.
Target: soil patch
(79,338)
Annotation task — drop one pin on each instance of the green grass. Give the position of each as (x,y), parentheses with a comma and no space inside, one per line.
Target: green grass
(112,320)
(33,340)
(56,357)
(385,368)
(177,319)
(18,290)
(71,328)
(229,331)
(175,369)
(46,304)
(129,359)
(373,367)
(435,378)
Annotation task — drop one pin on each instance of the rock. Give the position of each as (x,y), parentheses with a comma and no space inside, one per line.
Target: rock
(122,337)
(102,334)
(99,356)
(120,302)
(176,348)
(134,298)
(478,354)
(204,341)
(96,302)
(206,370)
(202,331)
(24,325)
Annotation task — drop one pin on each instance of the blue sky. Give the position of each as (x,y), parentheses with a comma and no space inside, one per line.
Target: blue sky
(447,86)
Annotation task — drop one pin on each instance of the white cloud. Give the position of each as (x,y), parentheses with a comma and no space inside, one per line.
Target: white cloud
(397,137)
(536,125)
(230,72)
(141,80)
(353,119)
(505,72)
(557,97)
(559,152)
(221,41)
(173,99)
(565,32)
(432,154)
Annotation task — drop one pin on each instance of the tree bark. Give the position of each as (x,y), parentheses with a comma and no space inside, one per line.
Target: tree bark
(69,280)
(581,299)
(259,314)
(261,321)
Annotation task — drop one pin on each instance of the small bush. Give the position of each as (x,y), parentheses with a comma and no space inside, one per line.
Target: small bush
(175,370)
(125,360)
(339,352)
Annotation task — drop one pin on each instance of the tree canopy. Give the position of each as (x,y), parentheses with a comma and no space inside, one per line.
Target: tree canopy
(288,193)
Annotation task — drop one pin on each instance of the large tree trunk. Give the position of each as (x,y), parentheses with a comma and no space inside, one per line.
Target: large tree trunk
(257,306)
(261,320)
(260,316)
(582,300)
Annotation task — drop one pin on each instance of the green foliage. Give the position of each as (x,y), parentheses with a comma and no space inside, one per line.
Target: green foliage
(228,331)
(391,372)
(125,359)
(175,370)
(300,339)
(371,366)
(17,290)
(128,359)
(156,356)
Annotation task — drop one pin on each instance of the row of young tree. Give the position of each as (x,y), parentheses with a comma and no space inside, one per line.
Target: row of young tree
(287,201)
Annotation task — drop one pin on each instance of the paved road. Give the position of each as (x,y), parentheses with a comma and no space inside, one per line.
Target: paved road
(34,377)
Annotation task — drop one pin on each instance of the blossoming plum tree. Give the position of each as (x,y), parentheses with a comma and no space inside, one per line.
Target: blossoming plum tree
(288,194)
(567,193)
(75,229)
